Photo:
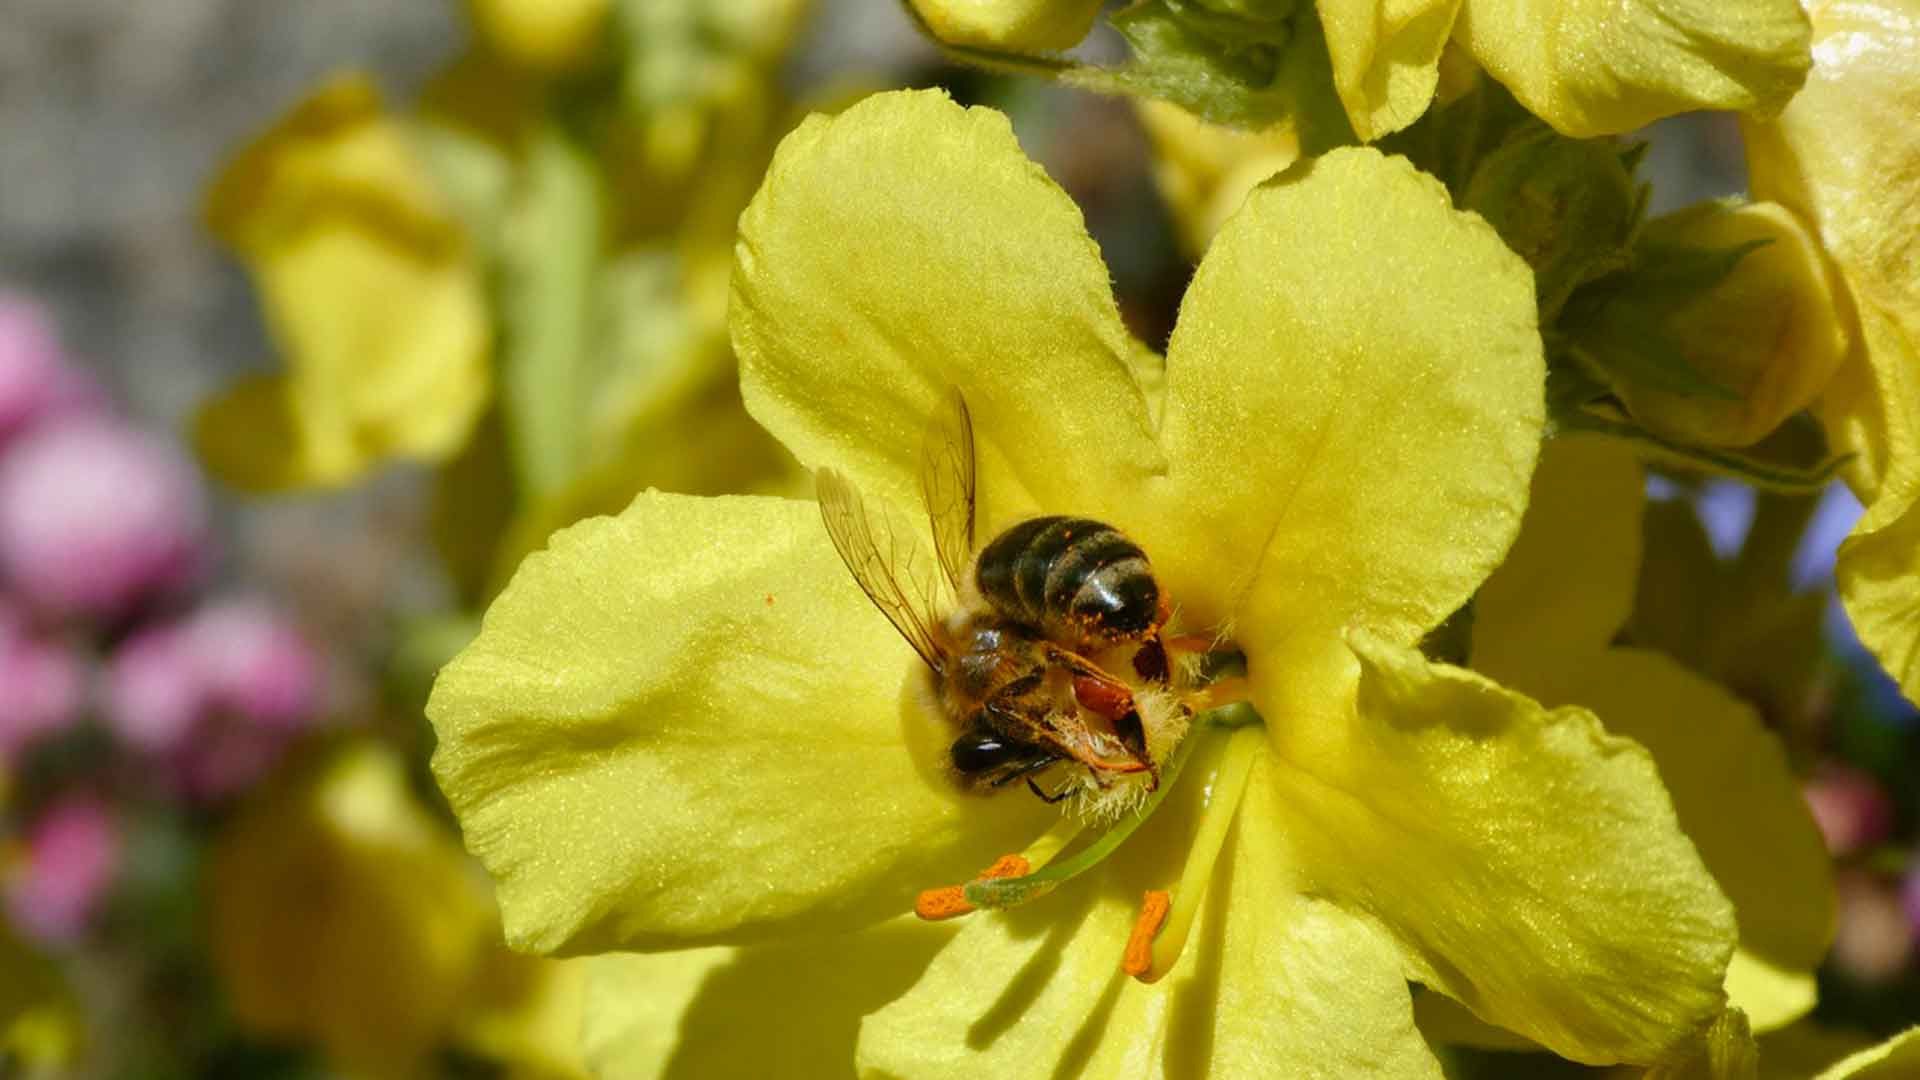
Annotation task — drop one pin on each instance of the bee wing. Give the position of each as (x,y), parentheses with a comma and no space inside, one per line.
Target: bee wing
(947,484)
(892,568)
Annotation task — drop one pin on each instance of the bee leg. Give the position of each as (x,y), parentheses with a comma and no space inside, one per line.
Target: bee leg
(1043,796)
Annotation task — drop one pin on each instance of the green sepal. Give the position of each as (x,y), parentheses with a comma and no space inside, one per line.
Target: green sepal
(1619,322)
(1567,206)
(1794,460)
(1254,72)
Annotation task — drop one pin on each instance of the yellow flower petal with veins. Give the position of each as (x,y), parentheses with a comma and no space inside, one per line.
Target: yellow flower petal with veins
(642,741)
(369,288)
(1605,67)
(1319,409)
(1425,812)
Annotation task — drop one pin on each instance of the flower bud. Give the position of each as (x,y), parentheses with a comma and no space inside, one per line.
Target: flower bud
(1851,809)
(40,687)
(95,517)
(547,35)
(1769,332)
(1010,25)
(71,856)
(254,665)
(156,693)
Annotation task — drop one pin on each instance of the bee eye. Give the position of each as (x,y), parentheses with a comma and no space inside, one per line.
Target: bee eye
(981,751)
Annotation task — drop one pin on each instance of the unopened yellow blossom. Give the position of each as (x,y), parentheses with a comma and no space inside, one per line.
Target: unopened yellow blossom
(370,290)
(1846,157)
(685,725)
(1012,25)
(1770,334)
(547,35)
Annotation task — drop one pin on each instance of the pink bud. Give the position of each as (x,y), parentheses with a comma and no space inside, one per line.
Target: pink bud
(95,517)
(41,685)
(1852,811)
(32,367)
(156,692)
(1873,939)
(72,852)
(256,665)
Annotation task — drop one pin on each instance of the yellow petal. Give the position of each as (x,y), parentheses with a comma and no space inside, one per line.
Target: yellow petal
(687,723)
(1878,569)
(1895,1059)
(1739,803)
(341,913)
(1771,332)
(906,247)
(1605,67)
(1845,154)
(1354,403)
(1271,983)
(1529,863)
(1010,25)
(1205,171)
(682,1015)
(368,287)
(1386,58)
(1568,584)
(524,1014)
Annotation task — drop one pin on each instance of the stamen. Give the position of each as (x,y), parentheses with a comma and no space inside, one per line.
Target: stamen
(1224,789)
(1138,959)
(950,901)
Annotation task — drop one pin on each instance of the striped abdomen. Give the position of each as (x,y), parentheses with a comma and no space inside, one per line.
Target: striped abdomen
(1078,581)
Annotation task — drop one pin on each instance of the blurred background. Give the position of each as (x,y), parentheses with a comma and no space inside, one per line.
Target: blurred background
(217,816)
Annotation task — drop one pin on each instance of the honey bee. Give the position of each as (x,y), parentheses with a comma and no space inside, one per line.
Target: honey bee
(1010,630)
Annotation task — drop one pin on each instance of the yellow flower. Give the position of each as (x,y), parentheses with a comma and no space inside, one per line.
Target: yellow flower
(40,1024)
(1605,67)
(342,914)
(368,286)
(1544,624)
(685,726)
(1846,157)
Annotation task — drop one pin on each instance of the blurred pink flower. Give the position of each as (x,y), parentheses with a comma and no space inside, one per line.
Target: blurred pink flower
(41,685)
(217,696)
(155,691)
(96,516)
(256,665)
(1850,807)
(72,853)
(36,378)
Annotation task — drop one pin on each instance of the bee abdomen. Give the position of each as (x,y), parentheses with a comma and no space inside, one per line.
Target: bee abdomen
(1074,578)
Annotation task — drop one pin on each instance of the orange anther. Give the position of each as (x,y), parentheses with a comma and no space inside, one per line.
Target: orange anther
(1137,961)
(950,901)
(1008,866)
(946,902)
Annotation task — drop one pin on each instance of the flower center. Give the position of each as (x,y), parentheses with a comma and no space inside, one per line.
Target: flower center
(1227,738)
